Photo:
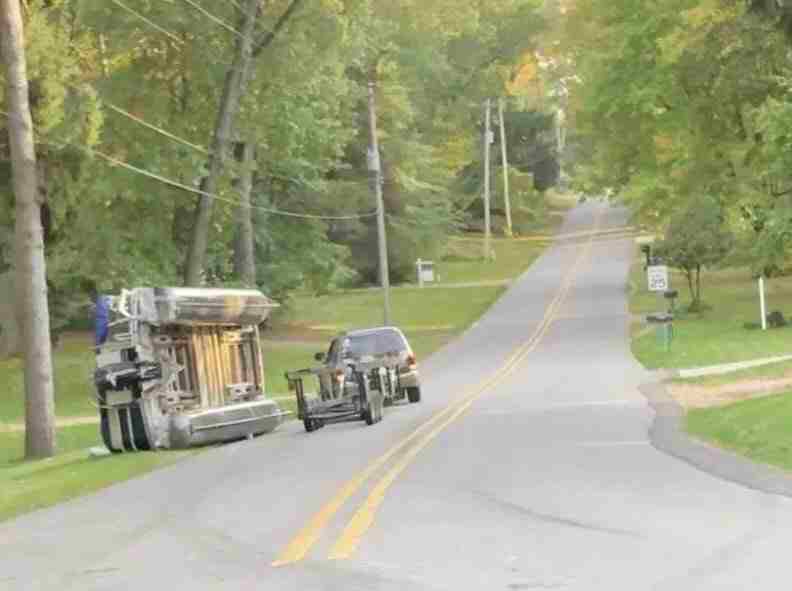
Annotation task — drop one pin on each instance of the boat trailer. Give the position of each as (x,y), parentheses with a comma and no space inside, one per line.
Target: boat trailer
(375,381)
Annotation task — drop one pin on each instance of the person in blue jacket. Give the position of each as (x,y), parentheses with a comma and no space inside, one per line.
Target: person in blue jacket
(101,319)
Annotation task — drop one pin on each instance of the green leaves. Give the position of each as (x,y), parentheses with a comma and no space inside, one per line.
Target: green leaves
(697,237)
(680,99)
(100,69)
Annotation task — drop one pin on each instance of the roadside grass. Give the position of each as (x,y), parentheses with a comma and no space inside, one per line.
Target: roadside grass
(561,200)
(27,486)
(717,335)
(73,369)
(430,317)
(415,310)
(465,263)
(757,429)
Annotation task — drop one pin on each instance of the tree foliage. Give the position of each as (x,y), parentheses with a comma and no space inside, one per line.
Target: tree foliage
(683,98)
(141,86)
(697,237)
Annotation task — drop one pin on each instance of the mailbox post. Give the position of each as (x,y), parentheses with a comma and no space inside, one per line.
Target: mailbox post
(671,296)
(657,277)
(647,250)
(665,328)
(425,271)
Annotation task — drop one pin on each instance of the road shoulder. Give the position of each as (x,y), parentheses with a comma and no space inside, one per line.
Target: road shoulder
(668,435)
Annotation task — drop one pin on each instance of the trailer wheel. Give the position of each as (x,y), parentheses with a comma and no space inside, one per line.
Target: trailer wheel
(414,394)
(379,410)
(311,425)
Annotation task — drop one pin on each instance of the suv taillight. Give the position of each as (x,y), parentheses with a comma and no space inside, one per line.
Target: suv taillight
(412,362)
(339,376)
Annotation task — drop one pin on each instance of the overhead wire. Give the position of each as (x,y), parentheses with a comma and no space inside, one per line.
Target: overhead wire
(214,18)
(179,185)
(236,5)
(159,130)
(189,144)
(199,148)
(148,21)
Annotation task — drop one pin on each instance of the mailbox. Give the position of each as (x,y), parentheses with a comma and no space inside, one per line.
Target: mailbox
(426,273)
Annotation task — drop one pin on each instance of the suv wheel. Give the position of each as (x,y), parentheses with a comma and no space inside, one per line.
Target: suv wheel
(414,394)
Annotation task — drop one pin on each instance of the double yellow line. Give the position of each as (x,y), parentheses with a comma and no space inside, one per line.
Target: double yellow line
(347,543)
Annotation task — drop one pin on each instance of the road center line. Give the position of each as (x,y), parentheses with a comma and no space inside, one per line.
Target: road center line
(346,545)
(301,544)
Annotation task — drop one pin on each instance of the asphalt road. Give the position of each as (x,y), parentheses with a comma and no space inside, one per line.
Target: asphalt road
(527,466)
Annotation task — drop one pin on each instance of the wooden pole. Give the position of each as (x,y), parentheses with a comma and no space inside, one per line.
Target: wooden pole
(505,164)
(487,141)
(375,167)
(762,303)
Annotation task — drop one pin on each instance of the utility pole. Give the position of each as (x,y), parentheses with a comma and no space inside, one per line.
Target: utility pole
(375,167)
(559,133)
(487,142)
(505,162)
(31,271)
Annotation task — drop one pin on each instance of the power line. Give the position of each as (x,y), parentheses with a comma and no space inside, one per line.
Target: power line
(234,202)
(159,130)
(148,21)
(187,143)
(236,5)
(182,186)
(214,19)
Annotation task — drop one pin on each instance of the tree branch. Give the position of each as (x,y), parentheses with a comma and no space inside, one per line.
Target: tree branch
(269,36)
(781,193)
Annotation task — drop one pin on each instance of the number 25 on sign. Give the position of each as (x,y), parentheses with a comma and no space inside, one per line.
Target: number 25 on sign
(657,276)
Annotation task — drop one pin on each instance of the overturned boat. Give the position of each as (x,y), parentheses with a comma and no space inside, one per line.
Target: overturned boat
(179,367)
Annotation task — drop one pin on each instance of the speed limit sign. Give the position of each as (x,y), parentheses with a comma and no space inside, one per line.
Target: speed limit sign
(657,276)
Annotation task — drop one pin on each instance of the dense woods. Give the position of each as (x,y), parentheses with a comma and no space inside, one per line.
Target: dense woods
(686,101)
(156,121)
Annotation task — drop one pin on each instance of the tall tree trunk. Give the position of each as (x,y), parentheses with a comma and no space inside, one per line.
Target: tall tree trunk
(245,256)
(233,90)
(689,276)
(181,225)
(698,285)
(31,285)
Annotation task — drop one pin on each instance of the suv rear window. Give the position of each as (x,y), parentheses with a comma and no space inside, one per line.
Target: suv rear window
(375,343)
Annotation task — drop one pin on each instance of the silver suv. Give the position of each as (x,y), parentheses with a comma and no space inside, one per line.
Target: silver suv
(365,345)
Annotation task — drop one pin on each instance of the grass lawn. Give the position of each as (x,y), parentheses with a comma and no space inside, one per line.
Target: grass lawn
(74,364)
(416,311)
(465,264)
(26,486)
(717,335)
(758,429)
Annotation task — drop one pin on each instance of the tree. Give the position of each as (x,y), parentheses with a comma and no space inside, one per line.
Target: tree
(233,91)
(697,237)
(31,280)
(667,110)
